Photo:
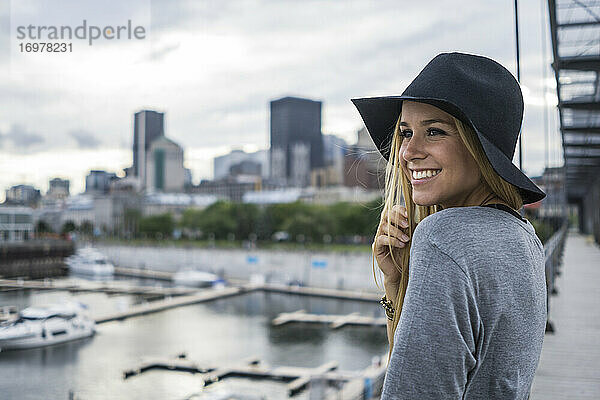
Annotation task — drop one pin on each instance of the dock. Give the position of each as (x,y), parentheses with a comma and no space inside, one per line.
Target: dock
(49,284)
(168,303)
(322,292)
(569,365)
(144,273)
(179,363)
(207,295)
(297,378)
(335,321)
(183,296)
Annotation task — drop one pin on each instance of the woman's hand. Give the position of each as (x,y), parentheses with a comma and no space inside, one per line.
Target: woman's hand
(391,234)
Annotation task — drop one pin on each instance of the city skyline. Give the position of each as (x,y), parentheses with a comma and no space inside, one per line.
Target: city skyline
(213,69)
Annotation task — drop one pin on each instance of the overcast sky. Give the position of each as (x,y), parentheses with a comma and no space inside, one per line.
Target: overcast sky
(213,66)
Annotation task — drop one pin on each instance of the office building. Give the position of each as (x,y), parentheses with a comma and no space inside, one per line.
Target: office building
(147,126)
(16,224)
(23,195)
(296,140)
(98,181)
(164,169)
(222,164)
(58,189)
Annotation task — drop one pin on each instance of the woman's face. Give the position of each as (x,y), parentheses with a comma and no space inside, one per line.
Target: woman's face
(431,144)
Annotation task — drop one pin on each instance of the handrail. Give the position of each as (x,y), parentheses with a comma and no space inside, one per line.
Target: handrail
(553,250)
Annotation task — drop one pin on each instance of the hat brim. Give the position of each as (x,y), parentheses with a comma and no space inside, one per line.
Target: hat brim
(380,115)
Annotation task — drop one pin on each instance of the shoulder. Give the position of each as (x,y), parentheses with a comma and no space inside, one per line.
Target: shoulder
(452,221)
(459,229)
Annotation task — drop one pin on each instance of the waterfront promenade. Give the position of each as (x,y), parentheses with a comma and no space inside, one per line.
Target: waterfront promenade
(570,362)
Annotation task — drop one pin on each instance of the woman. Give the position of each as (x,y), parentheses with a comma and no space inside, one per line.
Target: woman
(463,272)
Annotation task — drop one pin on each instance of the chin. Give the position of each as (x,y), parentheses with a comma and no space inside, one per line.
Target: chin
(424,202)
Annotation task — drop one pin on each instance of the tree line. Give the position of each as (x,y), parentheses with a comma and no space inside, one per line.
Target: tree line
(341,222)
(224,220)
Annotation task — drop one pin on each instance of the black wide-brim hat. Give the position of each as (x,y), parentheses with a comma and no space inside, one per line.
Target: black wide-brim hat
(475,89)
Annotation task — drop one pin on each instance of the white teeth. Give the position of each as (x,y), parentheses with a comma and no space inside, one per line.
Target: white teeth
(425,174)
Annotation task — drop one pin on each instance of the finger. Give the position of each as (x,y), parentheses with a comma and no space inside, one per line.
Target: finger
(396,217)
(400,209)
(400,215)
(393,231)
(383,242)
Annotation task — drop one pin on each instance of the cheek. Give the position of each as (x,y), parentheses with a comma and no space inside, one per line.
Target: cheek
(459,165)
(469,168)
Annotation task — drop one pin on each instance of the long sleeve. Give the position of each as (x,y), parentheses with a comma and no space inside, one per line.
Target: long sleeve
(436,338)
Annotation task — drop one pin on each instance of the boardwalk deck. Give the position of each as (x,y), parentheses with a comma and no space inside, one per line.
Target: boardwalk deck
(570,362)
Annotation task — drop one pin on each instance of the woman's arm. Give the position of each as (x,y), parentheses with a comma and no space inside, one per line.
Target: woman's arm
(391,292)
(391,232)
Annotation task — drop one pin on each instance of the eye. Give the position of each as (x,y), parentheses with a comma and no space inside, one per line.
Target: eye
(438,131)
(406,133)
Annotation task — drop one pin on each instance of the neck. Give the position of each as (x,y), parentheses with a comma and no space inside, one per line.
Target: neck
(479,197)
(491,199)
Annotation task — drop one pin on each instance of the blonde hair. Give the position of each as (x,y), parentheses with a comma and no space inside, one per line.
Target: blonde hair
(398,190)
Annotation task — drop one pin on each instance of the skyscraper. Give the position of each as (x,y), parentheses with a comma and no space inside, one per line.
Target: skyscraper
(296,140)
(147,126)
(165,171)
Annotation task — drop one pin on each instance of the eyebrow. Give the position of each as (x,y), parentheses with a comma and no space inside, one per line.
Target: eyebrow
(428,122)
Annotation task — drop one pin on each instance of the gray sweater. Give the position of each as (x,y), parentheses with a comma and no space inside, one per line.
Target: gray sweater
(474,314)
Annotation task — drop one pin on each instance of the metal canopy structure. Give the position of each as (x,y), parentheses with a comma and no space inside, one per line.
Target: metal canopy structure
(575,30)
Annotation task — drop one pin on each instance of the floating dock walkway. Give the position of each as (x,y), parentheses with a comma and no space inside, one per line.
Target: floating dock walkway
(335,321)
(215,294)
(182,296)
(161,305)
(298,378)
(49,284)
(144,273)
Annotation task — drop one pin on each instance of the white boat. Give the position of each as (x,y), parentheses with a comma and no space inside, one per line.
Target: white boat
(45,326)
(190,277)
(89,261)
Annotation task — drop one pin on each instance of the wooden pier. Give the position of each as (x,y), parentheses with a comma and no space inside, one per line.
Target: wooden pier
(297,378)
(335,321)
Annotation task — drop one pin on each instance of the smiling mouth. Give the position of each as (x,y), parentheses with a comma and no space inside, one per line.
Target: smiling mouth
(423,176)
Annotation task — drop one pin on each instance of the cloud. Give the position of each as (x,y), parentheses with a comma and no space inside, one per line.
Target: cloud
(85,139)
(160,53)
(20,139)
(213,67)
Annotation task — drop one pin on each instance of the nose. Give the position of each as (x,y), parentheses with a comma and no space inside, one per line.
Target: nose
(414,148)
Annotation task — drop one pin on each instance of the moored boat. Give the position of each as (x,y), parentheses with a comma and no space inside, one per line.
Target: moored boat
(89,261)
(45,326)
(190,277)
